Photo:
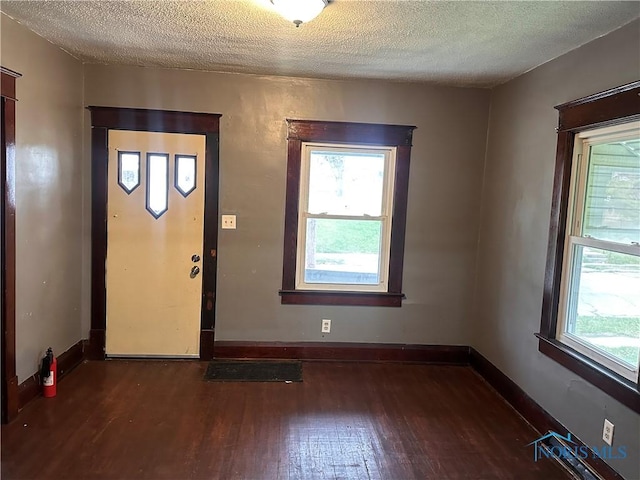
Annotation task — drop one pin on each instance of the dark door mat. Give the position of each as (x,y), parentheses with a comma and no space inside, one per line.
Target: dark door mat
(253,371)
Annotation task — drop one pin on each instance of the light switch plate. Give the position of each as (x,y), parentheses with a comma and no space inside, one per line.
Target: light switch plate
(229,222)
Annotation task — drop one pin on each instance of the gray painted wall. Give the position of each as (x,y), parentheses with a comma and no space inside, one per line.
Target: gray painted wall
(443,217)
(514,229)
(49,204)
(444,195)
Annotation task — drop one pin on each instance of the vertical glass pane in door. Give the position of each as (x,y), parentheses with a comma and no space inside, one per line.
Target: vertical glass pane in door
(185,176)
(129,170)
(157,183)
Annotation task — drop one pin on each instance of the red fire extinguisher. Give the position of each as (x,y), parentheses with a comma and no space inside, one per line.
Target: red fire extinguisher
(49,374)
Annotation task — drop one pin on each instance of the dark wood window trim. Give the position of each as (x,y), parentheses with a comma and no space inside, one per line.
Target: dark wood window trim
(104,119)
(612,107)
(399,136)
(9,386)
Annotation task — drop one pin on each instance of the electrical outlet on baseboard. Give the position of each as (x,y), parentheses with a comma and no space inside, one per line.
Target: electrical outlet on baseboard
(326,326)
(607,432)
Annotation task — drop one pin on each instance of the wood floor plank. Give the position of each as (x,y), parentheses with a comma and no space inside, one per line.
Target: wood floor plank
(127,419)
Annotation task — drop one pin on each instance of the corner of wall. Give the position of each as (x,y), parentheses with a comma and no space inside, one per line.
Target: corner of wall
(475,319)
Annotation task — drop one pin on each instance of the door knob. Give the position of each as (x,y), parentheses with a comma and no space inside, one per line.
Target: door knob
(195,270)
(195,258)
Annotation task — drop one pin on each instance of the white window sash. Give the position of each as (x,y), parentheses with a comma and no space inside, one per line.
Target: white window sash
(385,218)
(627,248)
(573,341)
(574,238)
(600,356)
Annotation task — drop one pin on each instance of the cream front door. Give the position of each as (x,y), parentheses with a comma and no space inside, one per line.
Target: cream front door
(155,217)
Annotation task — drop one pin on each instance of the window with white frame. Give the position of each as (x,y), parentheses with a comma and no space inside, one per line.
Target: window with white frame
(599,310)
(344,217)
(345,213)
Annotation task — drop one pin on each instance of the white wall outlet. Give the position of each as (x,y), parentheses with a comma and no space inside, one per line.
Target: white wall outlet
(229,222)
(326,326)
(607,432)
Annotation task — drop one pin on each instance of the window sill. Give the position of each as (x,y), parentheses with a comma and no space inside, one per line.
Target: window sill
(323,297)
(623,390)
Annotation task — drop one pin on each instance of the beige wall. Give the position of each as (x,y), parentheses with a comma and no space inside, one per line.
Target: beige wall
(515,224)
(49,205)
(444,194)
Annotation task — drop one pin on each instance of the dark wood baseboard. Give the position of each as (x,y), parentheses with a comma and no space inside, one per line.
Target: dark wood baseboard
(28,390)
(383,352)
(67,361)
(532,412)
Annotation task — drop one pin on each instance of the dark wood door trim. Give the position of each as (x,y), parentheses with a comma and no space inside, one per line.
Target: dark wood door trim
(104,119)
(8,245)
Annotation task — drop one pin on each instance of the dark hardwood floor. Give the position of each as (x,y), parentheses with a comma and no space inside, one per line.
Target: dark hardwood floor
(159,420)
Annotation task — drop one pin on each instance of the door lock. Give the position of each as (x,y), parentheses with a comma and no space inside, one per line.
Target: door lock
(195,270)
(195,258)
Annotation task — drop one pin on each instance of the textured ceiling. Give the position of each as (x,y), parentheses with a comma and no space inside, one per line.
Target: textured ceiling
(447,42)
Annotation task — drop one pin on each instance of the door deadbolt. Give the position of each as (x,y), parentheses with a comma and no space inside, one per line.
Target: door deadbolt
(195,258)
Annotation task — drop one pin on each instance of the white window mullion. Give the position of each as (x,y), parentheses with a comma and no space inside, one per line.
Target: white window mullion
(345,217)
(628,249)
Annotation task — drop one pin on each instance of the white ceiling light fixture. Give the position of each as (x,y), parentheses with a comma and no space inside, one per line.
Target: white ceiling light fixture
(299,11)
